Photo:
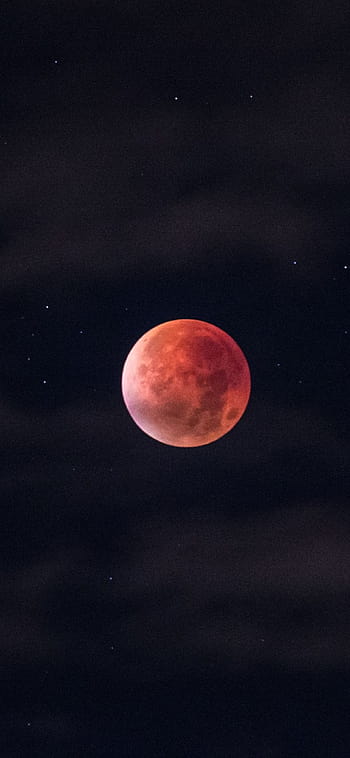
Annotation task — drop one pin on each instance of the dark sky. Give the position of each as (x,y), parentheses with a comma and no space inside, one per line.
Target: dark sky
(164,160)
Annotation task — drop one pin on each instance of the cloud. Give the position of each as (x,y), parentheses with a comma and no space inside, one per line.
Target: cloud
(159,189)
(265,589)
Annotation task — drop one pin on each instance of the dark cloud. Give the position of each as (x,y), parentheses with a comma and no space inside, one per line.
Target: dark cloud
(125,196)
(256,590)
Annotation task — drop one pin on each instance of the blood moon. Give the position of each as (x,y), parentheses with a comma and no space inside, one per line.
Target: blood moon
(186,383)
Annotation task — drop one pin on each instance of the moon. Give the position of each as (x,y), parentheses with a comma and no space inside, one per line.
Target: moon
(186,383)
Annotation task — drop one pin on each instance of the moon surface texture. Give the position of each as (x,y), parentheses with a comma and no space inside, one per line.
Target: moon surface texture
(186,383)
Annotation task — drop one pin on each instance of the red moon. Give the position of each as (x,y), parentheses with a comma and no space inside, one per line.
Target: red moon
(186,383)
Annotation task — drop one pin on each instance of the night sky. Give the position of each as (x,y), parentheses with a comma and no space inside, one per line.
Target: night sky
(164,160)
